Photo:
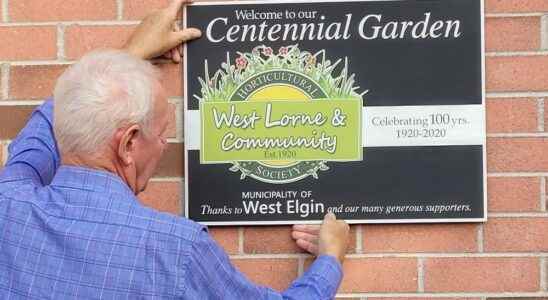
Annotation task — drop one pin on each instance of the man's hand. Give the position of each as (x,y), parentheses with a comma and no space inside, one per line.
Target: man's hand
(159,34)
(331,238)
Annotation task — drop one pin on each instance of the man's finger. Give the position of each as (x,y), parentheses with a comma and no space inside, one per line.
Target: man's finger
(330,216)
(312,229)
(175,56)
(297,235)
(307,246)
(175,6)
(187,35)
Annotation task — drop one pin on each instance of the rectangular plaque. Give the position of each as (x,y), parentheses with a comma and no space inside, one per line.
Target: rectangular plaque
(374,110)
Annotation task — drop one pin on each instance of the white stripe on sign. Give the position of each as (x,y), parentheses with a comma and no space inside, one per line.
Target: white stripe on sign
(397,126)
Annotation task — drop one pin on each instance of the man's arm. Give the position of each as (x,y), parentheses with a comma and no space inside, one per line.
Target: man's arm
(33,155)
(211,275)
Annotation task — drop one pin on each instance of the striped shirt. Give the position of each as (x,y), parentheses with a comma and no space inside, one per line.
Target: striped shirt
(77,233)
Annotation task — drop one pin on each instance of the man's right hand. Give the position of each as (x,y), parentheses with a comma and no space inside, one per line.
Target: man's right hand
(159,34)
(331,238)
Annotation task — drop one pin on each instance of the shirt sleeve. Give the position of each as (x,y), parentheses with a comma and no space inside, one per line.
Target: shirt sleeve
(33,155)
(211,275)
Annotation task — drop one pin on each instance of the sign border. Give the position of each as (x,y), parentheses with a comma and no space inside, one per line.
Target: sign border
(349,221)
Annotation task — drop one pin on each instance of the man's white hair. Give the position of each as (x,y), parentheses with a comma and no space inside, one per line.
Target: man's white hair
(102,92)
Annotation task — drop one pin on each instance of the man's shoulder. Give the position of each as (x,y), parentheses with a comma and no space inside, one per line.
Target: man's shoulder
(118,210)
(165,223)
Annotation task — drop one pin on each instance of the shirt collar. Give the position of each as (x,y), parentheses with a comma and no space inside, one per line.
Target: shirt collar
(81,178)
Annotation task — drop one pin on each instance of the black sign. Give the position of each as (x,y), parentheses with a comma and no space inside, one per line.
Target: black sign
(373,110)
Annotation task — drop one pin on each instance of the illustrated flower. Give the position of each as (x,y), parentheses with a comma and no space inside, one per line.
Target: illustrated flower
(241,62)
(283,51)
(310,60)
(267,51)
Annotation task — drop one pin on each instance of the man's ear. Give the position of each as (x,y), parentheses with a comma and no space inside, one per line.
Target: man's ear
(128,144)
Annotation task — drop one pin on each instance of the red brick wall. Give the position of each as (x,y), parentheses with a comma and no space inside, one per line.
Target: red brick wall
(506,257)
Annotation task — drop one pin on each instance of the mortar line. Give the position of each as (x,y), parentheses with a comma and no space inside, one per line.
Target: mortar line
(516,94)
(4,145)
(480,239)
(519,215)
(543,278)
(241,240)
(174,140)
(517,174)
(401,255)
(38,63)
(540,114)
(420,275)
(182,198)
(71,23)
(167,179)
(516,53)
(5,11)
(359,239)
(5,79)
(513,15)
(518,135)
(543,194)
(300,266)
(441,296)
(544,32)
(61,42)
(179,121)
(119,10)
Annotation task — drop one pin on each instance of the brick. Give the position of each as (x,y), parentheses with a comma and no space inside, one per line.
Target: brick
(506,194)
(138,9)
(34,82)
(275,273)
(277,239)
(517,155)
(61,10)
(512,34)
(172,80)
(227,237)
(13,119)
(163,196)
(171,131)
(517,73)
(379,275)
(517,298)
(515,6)
(511,115)
(27,43)
(81,39)
(481,274)
(516,235)
(172,162)
(420,238)
(419,298)
(269,239)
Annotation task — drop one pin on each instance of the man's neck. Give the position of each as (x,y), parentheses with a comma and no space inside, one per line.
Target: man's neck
(97,163)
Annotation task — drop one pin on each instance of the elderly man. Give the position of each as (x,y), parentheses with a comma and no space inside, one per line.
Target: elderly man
(71,226)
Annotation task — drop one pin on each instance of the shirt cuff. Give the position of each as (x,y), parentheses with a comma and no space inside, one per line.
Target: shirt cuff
(329,270)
